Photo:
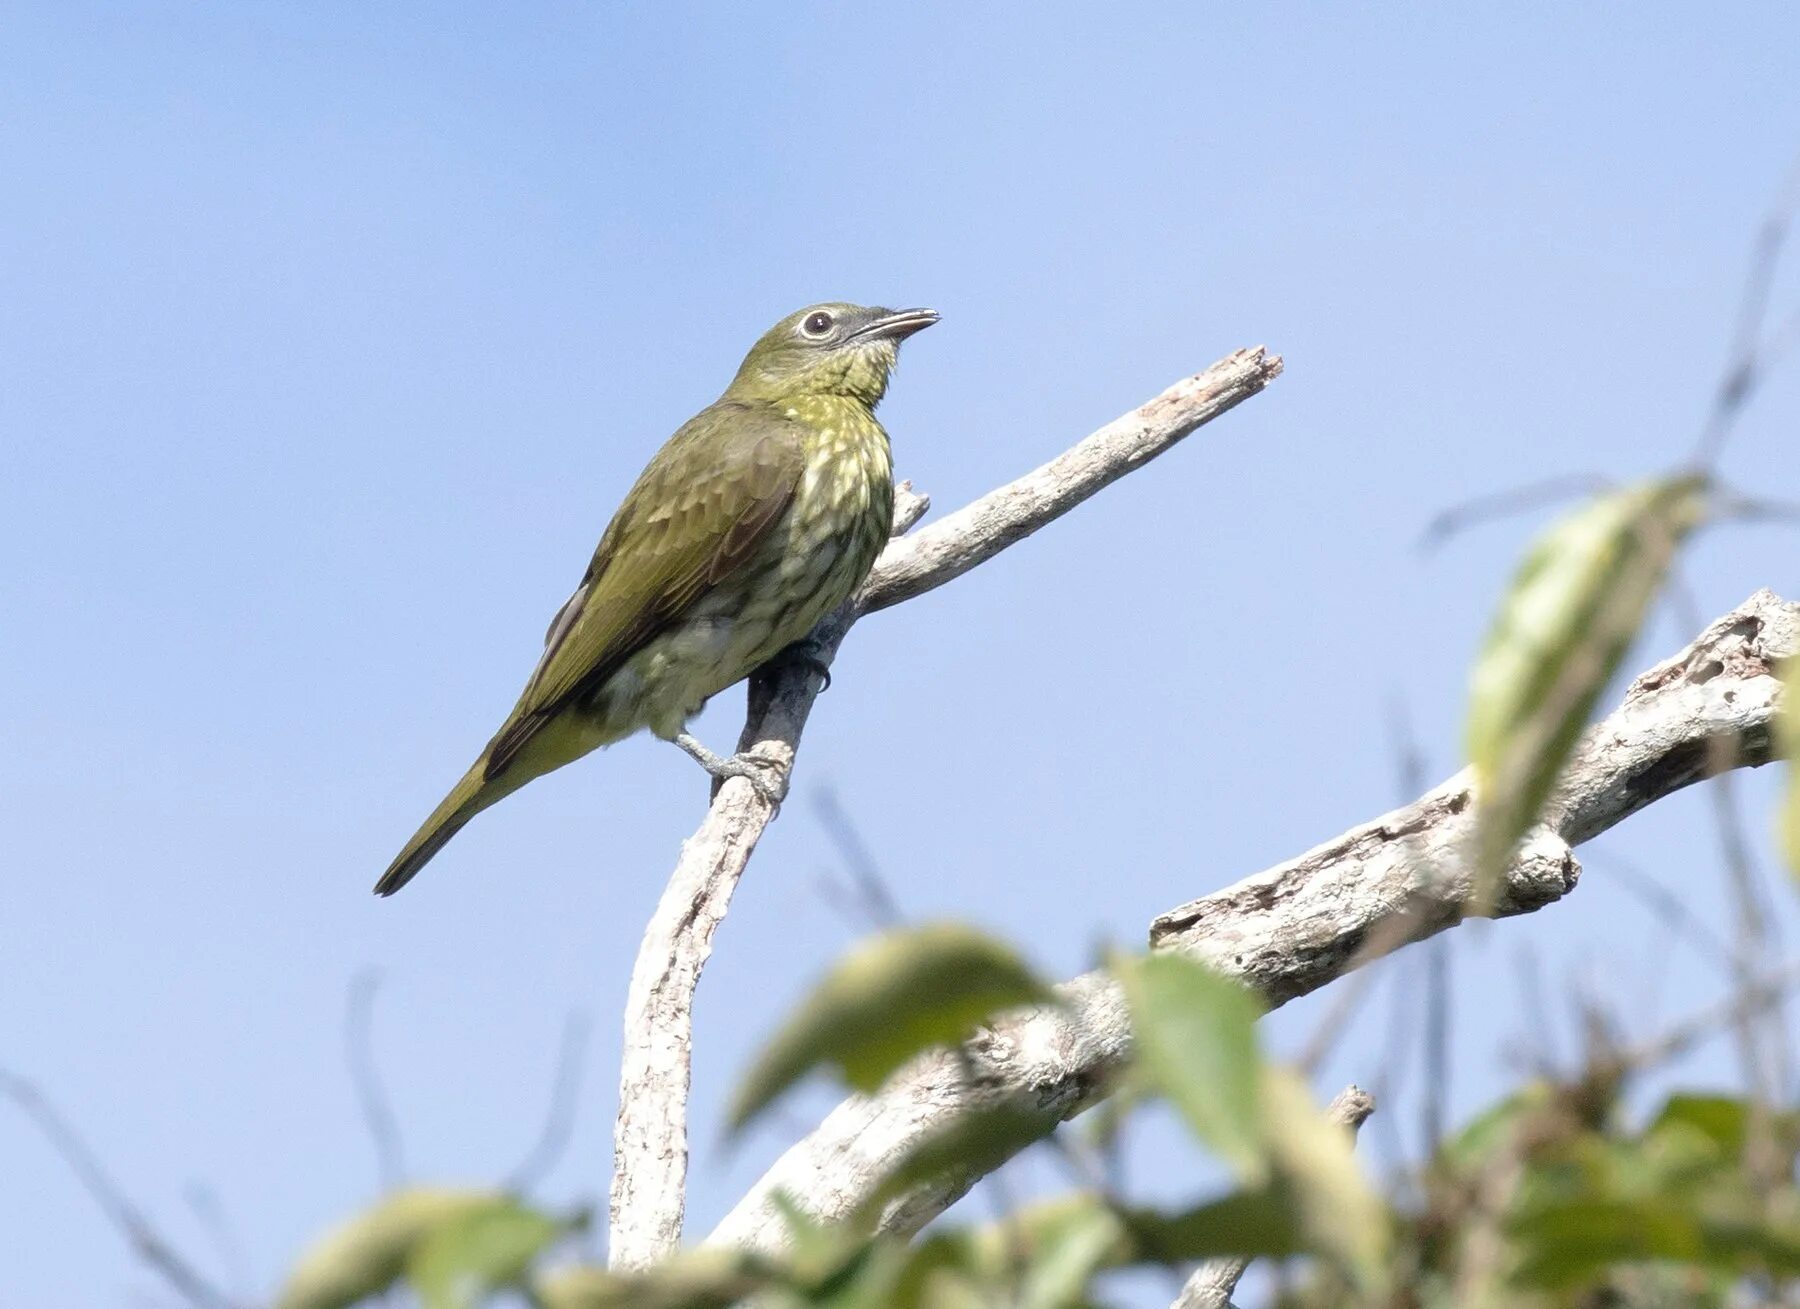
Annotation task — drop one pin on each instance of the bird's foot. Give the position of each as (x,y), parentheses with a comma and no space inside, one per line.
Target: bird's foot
(766,777)
(806,653)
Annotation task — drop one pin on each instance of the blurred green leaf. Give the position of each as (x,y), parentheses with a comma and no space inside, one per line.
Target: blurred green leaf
(367,1254)
(1721,1119)
(807,1236)
(1196,1043)
(939,1273)
(902,993)
(1494,1128)
(1248,1224)
(459,1262)
(1066,1259)
(998,1249)
(1577,1241)
(1265,1222)
(1315,1159)
(976,1141)
(1568,1243)
(695,1279)
(1573,609)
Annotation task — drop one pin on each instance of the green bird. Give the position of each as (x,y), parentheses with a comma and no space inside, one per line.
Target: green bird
(761,515)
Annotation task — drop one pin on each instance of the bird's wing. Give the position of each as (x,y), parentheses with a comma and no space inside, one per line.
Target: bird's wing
(697,513)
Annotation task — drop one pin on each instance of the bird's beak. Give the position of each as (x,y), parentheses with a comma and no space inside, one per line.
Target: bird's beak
(896,324)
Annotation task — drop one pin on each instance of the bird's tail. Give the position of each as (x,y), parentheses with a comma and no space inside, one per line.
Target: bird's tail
(466,799)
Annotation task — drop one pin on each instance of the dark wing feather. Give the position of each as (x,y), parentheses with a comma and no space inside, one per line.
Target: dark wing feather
(696,515)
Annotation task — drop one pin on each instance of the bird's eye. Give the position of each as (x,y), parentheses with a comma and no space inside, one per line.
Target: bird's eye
(817,323)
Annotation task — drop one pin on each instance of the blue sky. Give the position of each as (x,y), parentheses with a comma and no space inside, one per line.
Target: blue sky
(331,334)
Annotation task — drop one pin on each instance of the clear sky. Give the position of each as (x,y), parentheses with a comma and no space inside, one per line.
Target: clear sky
(331,334)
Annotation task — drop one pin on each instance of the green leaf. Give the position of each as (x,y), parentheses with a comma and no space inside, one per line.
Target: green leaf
(1250,1224)
(1787,733)
(460,1262)
(367,1254)
(1314,1158)
(1572,611)
(900,994)
(940,1273)
(974,1142)
(696,1279)
(1721,1119)
(1493,1129)
(1566,1244)
(1196,1044)
(1067,1258)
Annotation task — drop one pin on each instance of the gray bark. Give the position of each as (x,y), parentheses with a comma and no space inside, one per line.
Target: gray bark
(1293,928)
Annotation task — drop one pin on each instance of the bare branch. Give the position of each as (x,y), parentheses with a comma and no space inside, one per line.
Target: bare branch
(1297,926)
(650,1139)
(1213,1281)
(149,1244)
(979,531)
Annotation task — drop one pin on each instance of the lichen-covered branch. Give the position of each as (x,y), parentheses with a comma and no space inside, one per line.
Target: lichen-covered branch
(650,1138)
(1295,927)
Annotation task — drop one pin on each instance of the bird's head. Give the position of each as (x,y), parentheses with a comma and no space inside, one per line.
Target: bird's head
(829,349)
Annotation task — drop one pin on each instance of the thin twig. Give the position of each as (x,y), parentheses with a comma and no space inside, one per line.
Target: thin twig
(868,891)
(1761,995)
(371,1097)
(1395,1061)
(1434,1041)
(203,1200)
(559,1117)
(1409,772)
(1664,905)
(150,1246)
(1450,523)
(1752,354)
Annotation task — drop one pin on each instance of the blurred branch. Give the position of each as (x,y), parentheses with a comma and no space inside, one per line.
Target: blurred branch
(1665,906)
(1213,1281)
(1761,994)
(866,894)
(1459,518)
(559,1118)
(359,1053)
(204,1202)
(650,1139)
(1295,927)
(1754,351)
(143,1238)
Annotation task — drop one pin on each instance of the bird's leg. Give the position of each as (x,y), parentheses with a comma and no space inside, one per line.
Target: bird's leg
(763,775)
(806,653)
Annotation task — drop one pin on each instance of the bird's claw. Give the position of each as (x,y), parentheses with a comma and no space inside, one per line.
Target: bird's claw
(805,654)
(766,777)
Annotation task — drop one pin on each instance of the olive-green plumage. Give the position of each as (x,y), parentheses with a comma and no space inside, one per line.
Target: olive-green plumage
(762,514)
